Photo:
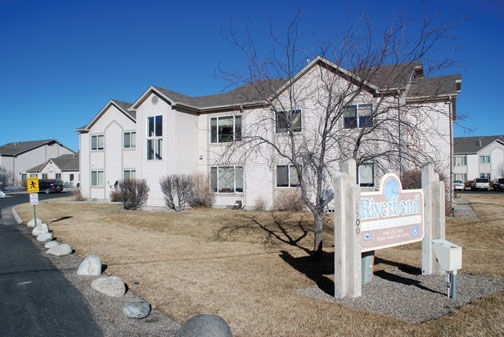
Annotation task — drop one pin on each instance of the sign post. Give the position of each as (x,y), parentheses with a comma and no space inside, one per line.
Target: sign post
(32,186)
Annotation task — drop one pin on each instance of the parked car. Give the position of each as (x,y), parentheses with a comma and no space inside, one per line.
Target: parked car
(480,184)
(50,186)
(2,195)
(458,185)
(498,184)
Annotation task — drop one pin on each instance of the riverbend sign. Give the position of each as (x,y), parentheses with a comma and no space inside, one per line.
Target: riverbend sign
(391,216)
(368,221)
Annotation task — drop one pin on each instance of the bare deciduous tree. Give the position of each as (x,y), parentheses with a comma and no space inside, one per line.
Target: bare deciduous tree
(371,102)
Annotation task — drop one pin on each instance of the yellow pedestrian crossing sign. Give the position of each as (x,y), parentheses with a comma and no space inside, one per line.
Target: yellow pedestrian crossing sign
(32,185)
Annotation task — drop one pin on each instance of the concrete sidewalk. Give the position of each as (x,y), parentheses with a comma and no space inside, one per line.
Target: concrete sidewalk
(462,209)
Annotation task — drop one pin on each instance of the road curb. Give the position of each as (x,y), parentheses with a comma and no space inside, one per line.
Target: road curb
(16,215)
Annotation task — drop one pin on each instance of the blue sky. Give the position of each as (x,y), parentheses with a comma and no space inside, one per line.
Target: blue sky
(61,61)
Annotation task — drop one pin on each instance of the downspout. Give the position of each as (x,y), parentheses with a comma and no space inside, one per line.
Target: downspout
(14,170)
(399,131)
(451,148)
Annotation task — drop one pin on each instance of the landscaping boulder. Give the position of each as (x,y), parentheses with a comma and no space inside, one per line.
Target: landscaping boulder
(44,237)
(51,244)
(204,326)
(40,229)
(91,265)
(109,285)
(60,250)
(137,309)
(32,223)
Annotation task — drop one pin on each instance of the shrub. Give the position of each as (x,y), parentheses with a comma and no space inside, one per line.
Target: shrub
(201,195)
(289,200)
(176,190)
(78,195)
(115,195)
(411,180)
(134,193)
(260,204)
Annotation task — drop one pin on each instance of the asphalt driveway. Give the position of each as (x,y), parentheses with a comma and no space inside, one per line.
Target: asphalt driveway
(36,298)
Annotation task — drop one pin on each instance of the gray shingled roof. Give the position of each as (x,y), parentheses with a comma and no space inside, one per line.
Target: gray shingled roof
(17,148)
(125,106)
(66,162)
(249,93)
(384,78)
(471,145)
(390,77)
(435,86)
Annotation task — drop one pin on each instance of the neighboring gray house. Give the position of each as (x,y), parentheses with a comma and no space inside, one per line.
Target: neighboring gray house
(478,157)
(18,157)
(64,167)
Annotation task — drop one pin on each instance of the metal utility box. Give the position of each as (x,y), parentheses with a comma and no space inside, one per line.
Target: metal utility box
(448,254)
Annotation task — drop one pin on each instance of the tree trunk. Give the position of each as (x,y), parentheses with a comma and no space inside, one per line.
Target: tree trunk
(317,232)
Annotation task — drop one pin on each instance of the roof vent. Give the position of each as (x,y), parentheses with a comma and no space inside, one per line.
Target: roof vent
(154,100)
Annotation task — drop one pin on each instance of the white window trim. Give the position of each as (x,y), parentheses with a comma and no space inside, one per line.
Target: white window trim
(98,137)
(483,159)
(290,167)
(357,116)
(217,131)
(130,171)
(97,178)
(217,187)
(156,139)
(130,133)
(290,112)
(373,183)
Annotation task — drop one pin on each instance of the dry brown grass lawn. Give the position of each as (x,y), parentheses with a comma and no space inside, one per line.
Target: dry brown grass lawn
(240,265)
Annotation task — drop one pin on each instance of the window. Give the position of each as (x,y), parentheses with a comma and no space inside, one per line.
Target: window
(58,176)
(129,140)
(357,116)
(226,179)
(23,176)
(33,175)
(71,177)
(129,174)
(460,160)
(366,175)
(286,176)
(154,137)
(96,178)
(460,176)
(484,159)
(225,129)
(485,175)
(97,142)
(44,175)
(286,119)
